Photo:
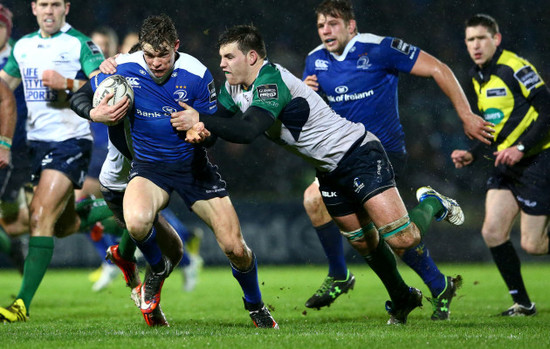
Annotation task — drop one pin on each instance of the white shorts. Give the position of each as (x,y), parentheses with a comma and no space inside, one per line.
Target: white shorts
(115,170)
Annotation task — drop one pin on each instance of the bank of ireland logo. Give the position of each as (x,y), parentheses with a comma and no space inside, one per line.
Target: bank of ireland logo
(168,110)
(493,115)
(341,89)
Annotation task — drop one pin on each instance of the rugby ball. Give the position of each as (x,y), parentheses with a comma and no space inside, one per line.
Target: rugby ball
(116,84)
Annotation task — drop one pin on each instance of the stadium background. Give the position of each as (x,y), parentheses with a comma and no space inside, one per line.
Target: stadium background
(265,182)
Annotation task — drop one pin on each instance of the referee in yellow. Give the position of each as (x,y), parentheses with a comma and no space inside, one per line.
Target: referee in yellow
(512,95)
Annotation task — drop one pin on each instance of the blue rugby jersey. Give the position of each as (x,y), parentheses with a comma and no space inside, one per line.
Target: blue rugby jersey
(153,137)
(361,84)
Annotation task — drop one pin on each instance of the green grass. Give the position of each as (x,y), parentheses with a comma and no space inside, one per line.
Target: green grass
(66,314)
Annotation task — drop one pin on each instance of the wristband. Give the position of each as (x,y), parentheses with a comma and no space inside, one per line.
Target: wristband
(72,84)
(5,142)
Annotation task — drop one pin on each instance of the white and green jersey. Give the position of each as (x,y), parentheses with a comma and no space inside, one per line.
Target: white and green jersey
(70,53)
(304,123)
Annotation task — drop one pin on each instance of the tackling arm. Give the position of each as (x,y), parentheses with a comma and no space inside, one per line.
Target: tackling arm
(239,128)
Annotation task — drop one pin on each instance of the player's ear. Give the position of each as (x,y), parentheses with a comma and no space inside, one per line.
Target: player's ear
(252,57)
(177,45)
(352,26)
(498,38)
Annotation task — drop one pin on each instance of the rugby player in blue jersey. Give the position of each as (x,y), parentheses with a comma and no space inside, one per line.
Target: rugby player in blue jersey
(163,162)
(357,73)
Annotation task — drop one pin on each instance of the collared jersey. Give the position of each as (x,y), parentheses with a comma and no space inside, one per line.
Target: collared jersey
(20,134)
(304,123)
(74,56)
(361,84)
(153,137)
(504,89)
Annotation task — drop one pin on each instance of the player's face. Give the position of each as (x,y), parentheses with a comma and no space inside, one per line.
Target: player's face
(103,42)
(335,33)
(162,61)
(481,44)
(234,64)
(50,15)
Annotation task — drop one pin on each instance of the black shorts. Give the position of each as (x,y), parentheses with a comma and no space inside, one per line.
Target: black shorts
(72,157)
(363,173)
(528,180)
(193,182)
(13,177)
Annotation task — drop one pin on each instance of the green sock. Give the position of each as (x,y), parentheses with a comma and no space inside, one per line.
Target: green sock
(5,242)
(423,213)
(127,246)
(92,211)
(111,226)
(37,262)
(382,262)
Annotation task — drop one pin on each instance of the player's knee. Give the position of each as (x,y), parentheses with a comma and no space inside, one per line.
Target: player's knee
(493,237)
(138,224)
(535,246)
(401,233)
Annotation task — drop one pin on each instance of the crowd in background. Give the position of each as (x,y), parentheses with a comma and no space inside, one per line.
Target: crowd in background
(433,130)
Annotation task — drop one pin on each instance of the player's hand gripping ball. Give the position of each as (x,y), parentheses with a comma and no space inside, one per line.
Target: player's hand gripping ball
(116,84)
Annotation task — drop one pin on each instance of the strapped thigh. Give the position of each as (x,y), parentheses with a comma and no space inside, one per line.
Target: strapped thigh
(358,234)
(394,227)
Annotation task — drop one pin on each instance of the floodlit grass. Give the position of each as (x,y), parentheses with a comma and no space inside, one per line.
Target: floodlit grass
(66,314)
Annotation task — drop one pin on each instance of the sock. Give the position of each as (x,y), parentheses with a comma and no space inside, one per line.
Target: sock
(91,211)
(423,213)
(127,247)
(248,280)
(418,259)
(382,262)
(331,240)
(151,251)
(5,242)
(37,262)
(509,265)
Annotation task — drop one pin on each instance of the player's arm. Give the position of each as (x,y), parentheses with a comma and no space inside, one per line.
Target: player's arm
(12,81)
(56,81)
(233,127)
(81,103)
(8,118)
(474,126)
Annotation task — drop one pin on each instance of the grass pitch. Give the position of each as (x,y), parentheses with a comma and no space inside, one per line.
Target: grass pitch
(66,314)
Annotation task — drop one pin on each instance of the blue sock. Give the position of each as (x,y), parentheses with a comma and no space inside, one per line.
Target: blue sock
(175,222)
(151,251)
(248,280)
(419,259)
(102,245)
(331,240)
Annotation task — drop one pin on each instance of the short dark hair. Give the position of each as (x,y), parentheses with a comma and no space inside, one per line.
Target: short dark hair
(247,37)
(336,8)
(158,31)
(484,20)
